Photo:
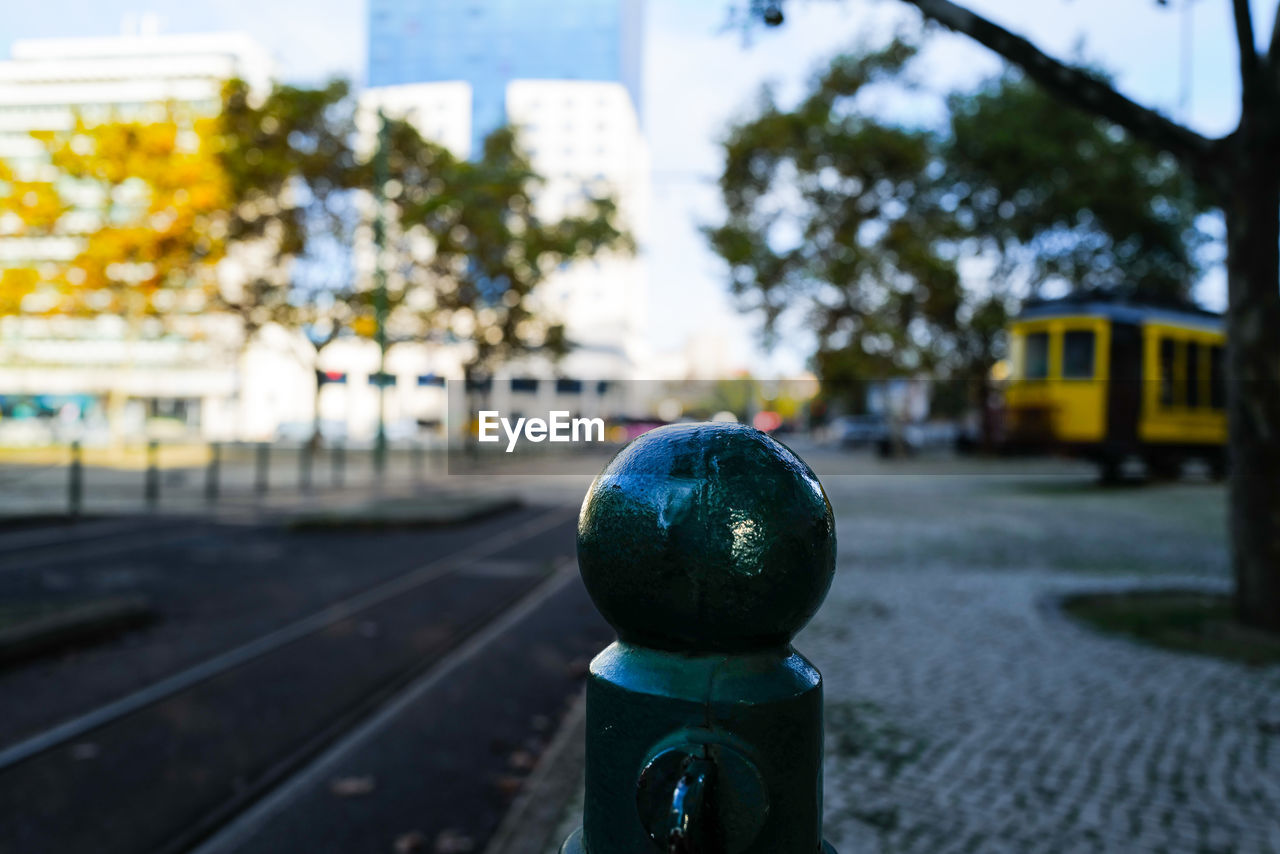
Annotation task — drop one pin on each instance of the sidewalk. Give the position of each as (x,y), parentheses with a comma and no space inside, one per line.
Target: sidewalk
(965,713)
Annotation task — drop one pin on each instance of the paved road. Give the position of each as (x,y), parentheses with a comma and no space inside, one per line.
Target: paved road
(271,646)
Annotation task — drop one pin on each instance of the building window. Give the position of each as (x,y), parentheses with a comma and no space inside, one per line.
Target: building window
(1168,358)
(1077,354)
(565,385)
(428,380)
(382,380)
(527,385)
(1193,374)
(1036,364)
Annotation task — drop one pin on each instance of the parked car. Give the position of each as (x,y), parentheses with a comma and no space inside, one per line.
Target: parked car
(917,436)
(859,431)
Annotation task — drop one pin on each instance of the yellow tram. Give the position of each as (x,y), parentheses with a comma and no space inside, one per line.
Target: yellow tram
(1112,380)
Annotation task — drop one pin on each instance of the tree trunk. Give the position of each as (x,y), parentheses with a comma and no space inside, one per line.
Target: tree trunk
(1252,208)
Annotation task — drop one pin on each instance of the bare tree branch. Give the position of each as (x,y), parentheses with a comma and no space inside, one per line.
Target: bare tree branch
(1073,85)
(1248,45)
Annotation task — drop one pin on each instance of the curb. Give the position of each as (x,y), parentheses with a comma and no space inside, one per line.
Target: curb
(459,513)
(538,810)
(76,625)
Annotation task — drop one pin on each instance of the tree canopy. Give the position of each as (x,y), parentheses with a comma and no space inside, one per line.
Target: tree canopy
(264,210)
(1069,198)
(1240,173)
(862,225)
(143,204)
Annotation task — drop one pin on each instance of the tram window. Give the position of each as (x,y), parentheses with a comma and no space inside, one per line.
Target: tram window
(1193,374)
(1167,356)
(1077,355)
(1217,378)
(1037,356)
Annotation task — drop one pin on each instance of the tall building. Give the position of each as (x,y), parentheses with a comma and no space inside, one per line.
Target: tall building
(490,43)
(82,370)
(566,74)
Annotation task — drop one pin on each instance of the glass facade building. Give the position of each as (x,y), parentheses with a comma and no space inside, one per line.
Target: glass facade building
(489,43)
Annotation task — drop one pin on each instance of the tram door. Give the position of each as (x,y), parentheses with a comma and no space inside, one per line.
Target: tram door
(1124,387)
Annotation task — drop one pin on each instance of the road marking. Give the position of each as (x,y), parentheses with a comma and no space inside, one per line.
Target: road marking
(249,822)
(167,687)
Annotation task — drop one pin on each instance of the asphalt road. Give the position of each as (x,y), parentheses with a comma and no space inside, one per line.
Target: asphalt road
(271,645)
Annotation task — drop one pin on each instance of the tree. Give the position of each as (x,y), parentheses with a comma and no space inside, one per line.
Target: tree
(143,202)
(841,213)
(488,249)
(1240,172)
(1056,195)
(864,221)
(290,163)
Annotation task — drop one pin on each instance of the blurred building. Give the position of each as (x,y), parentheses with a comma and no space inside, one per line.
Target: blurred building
(566,73)
(77,371)
(491,43)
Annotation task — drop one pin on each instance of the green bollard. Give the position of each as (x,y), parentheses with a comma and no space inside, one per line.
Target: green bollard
(262,468)
(706,547)
(75,481)
(151,484)
(305,454)
(337,460)
(212,471)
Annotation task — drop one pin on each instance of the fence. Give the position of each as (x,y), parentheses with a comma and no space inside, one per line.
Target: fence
(74,481)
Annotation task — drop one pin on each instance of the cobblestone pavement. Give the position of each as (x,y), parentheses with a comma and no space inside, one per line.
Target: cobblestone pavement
(966,714)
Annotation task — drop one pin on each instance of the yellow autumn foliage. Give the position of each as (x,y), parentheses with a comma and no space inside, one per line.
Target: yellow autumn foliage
(146,202)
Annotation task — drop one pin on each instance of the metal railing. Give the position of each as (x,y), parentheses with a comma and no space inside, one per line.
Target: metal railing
(74,481)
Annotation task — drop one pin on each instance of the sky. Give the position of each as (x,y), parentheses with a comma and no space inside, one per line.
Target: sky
(700,74)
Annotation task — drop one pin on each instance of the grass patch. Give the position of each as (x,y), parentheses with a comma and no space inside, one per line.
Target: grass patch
(1202,623)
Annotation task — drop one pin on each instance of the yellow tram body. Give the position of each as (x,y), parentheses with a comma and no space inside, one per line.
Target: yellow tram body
(1110,380)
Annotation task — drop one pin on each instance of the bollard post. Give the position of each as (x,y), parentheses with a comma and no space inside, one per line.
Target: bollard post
(337,458)
(75,481)
(261,462)
(417,460)
(151,489)
(706,547)
(305,454)
(212,471)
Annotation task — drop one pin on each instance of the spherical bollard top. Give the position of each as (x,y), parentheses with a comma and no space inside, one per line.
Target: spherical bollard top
(706,538)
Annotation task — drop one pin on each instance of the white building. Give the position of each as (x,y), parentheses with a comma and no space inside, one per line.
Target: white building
(584,138)
(90,367)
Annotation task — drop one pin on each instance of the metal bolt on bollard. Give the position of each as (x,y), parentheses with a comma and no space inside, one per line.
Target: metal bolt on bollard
(706,547)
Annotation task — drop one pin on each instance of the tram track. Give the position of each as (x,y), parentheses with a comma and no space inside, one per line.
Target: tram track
(465,602)
(245,652)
